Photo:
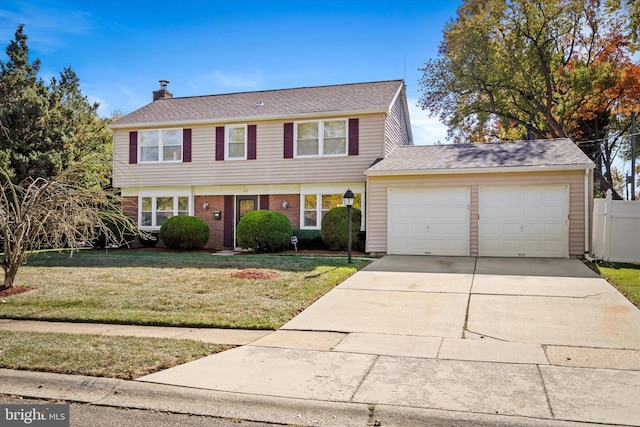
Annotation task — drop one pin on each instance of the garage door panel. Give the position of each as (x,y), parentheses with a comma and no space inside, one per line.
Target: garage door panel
(528,220)
(432,221)
(535,212)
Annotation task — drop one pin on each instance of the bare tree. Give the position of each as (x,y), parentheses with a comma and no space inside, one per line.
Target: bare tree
(64,211)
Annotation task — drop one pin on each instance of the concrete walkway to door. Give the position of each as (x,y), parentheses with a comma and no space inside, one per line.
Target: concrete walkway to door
(410,337)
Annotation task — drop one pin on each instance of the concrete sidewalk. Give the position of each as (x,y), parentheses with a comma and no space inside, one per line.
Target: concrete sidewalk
(410,341)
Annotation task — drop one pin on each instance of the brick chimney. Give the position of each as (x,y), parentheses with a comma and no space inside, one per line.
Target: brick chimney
(163,93)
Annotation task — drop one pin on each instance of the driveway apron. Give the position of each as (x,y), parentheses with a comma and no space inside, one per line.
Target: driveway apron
(518,337)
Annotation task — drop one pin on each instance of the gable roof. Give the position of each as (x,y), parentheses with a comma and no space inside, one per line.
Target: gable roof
(290,103)
(541,154)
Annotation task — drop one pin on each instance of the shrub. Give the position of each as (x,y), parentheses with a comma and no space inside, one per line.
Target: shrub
(184,233)
(264,231)
(115,221)
(335,228)
(309,239)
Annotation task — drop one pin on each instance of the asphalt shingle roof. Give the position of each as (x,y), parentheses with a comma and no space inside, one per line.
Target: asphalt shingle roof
(372,96)
(541,152)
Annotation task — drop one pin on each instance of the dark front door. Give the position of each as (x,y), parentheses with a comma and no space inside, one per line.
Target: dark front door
(244,205)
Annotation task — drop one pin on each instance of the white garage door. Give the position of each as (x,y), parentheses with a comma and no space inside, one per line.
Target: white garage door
(428,221)
(523,221)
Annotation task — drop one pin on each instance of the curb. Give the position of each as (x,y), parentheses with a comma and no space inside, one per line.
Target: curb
(268,409)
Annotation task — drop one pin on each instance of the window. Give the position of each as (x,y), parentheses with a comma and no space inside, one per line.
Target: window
(160,145)
(236,142)
(155,210)
(321,138)
(316,205)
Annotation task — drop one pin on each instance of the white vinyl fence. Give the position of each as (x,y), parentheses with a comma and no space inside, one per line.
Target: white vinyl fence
(616,230)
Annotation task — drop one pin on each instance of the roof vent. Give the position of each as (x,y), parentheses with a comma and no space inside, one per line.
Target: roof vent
(163,93)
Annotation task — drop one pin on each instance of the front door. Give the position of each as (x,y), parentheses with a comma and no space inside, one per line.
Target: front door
(244,205)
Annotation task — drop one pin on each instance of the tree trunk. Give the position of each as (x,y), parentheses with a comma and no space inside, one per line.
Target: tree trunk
(10,274)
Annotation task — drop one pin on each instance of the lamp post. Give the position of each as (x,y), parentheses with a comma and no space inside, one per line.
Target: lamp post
(348,200)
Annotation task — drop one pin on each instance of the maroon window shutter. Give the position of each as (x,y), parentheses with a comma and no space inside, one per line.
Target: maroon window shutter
(133,147)
(264,202)
(251,142)
(288,140)
(228,215)
(220,143)
(354,131)
(186,145)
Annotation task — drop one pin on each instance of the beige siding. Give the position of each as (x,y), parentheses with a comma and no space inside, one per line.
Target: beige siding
(473,217)
(269,168)
(395,129)
(377,201)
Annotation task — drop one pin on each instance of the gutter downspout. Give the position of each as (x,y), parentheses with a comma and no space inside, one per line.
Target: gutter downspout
(587,254)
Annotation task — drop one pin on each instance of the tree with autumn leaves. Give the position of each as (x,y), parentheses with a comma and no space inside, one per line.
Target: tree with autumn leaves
(563,67)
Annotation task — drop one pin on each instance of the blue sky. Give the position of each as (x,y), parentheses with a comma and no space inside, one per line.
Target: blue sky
(120,49)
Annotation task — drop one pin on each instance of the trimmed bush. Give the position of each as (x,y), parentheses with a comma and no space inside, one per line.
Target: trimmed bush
(184,233)
(115,221)
(335,228)
(309,239)
(264,231)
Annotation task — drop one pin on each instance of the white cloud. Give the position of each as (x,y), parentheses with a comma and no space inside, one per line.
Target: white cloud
(47,28)
(236,81)
(104,108)
(426,130)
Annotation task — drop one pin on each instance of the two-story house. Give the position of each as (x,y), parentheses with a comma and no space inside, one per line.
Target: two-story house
(297,151)
(294,151)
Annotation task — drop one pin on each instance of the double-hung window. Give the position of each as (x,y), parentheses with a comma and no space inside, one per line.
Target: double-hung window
(236,142)
(163,145)
(321,138)
(155,210)
(316,205)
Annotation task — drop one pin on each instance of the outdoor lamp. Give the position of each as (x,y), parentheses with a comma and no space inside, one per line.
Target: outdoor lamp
(348,200)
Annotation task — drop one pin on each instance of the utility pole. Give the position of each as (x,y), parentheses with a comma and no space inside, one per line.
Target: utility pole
(633,154)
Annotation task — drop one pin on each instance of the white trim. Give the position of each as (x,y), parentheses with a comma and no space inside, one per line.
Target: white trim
(320,124)
(156,191)
(160,145)
(154,211)
(232,190)
(466,189)
(227,135)
(566,206)
(318,193)
(586,212)
(472,170)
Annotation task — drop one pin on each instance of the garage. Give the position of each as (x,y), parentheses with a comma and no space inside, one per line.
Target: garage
(429,221)
(518,199)
(523,221)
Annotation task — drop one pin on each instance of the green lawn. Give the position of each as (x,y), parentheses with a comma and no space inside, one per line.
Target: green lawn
(171,288)
(95,355)
(625,277)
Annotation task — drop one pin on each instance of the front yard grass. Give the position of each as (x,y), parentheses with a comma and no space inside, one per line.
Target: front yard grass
(171,288)
(625,277)
(96,355)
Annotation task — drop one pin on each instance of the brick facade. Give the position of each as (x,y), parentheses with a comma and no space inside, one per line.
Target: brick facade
(216,203)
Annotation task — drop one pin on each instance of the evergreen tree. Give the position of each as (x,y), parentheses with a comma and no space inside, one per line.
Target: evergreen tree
(45,129)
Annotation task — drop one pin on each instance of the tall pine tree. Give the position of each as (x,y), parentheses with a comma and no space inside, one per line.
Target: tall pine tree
(45,129)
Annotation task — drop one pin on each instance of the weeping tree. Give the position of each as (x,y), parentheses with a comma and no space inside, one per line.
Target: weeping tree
(63,211)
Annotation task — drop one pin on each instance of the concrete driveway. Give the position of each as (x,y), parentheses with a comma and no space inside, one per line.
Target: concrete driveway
(535,338)
(551,302)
